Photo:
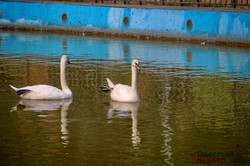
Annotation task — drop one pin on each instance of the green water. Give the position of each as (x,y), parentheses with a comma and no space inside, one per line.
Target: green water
(194,107)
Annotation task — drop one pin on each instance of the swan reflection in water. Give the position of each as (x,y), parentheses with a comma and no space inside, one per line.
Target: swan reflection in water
(120,110)
(48,105)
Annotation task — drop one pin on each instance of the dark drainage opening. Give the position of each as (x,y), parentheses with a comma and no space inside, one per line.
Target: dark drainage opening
(126,21)
(189,24)
(64,17)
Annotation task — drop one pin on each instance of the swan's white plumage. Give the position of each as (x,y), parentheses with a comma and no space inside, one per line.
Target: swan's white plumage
(43,92)
(46,91)
(125,93)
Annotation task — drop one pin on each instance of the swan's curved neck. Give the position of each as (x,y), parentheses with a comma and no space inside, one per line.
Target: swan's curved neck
(134,79)
(64,85)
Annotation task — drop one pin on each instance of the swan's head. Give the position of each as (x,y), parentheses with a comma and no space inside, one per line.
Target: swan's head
(65,59)
(135,64)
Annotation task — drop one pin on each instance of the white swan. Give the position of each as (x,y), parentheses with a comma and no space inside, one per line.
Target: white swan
(124,93)
(47,92)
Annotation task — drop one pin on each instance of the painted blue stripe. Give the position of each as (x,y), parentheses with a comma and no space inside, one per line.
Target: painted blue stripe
(207,25)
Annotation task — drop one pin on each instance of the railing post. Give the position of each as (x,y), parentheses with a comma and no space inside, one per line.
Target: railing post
(197,3)
(234,3)
(181,2)
(163,2)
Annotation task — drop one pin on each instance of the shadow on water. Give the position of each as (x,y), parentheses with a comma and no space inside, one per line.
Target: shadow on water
(193,109)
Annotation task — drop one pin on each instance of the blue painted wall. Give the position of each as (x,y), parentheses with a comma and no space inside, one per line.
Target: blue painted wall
(207,25)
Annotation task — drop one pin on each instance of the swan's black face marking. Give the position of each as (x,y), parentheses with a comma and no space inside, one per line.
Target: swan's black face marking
(137,66)
(22,91)
(68,60)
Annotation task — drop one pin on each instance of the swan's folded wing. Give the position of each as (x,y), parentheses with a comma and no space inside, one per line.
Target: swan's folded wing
(41,92)
(122,90)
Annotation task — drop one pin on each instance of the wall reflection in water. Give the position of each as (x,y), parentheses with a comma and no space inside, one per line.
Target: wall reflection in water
(191,59)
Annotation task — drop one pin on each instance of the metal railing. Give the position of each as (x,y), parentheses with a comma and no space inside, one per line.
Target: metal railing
(240,4)
(244,4)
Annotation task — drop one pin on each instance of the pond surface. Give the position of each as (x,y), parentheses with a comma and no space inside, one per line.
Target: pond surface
(194,107)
